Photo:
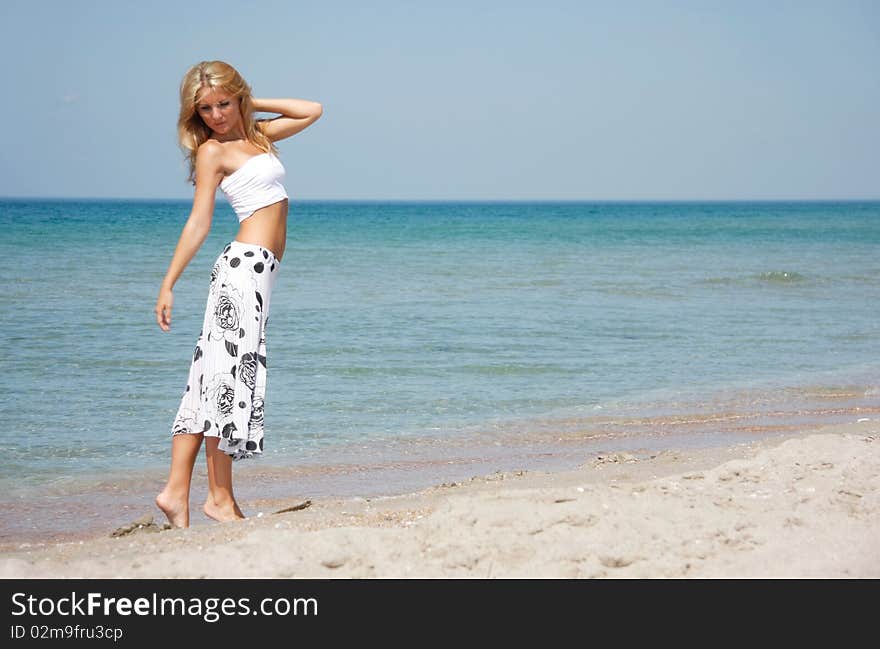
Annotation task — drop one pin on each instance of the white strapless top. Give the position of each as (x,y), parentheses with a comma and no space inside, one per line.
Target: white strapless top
(255,184)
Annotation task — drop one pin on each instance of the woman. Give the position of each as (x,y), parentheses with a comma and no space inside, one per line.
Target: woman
(223,398)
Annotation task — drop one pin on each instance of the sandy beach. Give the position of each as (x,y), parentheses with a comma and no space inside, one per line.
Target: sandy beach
(792,506)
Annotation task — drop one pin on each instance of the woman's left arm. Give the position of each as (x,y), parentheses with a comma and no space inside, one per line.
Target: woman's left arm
(295,115)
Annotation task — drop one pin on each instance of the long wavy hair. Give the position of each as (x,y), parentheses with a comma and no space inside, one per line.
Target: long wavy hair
(192,130)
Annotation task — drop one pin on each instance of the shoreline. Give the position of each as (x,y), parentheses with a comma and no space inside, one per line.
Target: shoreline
(74,511)
(801,503)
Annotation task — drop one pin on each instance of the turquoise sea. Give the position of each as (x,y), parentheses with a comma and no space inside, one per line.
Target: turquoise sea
(416,343)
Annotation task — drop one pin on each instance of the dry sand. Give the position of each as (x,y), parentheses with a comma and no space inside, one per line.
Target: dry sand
(804,505)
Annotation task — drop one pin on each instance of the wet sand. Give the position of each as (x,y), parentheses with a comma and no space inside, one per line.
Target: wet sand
(84,506)
(802,503)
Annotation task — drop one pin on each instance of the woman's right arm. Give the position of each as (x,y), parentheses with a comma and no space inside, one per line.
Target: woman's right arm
(209,173)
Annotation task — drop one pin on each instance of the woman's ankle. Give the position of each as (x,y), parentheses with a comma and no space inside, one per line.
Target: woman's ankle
(224,510)
(175,507)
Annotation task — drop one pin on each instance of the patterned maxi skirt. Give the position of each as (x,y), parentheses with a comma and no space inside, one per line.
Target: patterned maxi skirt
(226,386)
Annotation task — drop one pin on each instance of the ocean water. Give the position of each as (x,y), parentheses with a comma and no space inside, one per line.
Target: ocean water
(411,342)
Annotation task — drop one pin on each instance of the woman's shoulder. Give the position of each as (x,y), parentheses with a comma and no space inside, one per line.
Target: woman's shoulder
(210,149)
(210,153)
(231,149)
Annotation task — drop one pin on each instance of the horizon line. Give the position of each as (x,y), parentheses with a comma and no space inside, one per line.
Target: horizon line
(472,200)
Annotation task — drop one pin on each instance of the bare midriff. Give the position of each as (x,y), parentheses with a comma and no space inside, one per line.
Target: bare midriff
(266,227)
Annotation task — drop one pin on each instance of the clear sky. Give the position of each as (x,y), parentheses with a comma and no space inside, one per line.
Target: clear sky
(459,100)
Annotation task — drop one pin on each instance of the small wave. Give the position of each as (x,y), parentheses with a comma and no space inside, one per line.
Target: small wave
(721,281)
(512,369)
(781,277)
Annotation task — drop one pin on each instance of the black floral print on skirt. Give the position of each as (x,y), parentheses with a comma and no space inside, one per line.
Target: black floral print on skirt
(226,386)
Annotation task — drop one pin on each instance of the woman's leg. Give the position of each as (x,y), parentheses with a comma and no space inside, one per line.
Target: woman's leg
(174,499)
(220,505)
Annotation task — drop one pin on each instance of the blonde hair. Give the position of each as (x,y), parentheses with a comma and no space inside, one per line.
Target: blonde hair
(192,131)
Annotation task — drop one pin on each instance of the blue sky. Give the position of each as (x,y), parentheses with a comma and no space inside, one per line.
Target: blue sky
(459,100)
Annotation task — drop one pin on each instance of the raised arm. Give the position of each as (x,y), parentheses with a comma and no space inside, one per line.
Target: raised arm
(209,173)
(295,115)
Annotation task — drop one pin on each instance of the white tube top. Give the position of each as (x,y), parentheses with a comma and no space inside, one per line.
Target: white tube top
(256,184)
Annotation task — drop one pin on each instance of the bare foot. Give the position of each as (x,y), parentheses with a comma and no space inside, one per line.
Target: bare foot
(176,509)
(224,513)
